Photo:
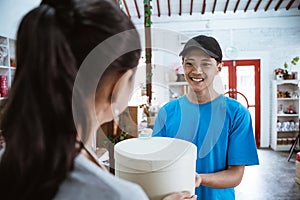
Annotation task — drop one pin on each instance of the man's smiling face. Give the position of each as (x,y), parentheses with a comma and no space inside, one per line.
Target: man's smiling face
(200,69)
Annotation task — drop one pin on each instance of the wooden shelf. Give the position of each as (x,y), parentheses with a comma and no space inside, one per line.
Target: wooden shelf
(4,67)
(287,99)
(287,115)
(288,131)
(292,81)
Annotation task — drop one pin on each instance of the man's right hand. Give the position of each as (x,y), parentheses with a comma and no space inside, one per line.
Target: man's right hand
(180,196)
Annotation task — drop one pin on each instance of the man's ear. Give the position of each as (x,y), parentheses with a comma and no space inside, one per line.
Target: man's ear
(220,65)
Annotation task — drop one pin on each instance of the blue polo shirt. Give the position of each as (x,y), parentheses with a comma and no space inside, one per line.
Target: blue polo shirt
(221,130)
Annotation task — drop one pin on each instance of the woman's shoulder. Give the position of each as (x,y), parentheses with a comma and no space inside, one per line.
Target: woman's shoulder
(88,181)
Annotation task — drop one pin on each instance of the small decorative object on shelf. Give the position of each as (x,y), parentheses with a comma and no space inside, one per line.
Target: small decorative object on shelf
(13,62)
(291,76)
(280,109)
(3,55)
(287,126)
(180,78)
(279,73)
(283,94)
(3,86)
(291,110)
(178,68)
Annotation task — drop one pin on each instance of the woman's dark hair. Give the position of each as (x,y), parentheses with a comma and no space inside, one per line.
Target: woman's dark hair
(52,42)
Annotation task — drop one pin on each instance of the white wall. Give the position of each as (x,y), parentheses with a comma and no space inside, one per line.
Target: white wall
(11,12)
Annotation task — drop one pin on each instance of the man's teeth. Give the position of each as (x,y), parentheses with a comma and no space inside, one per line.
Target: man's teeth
(197,79)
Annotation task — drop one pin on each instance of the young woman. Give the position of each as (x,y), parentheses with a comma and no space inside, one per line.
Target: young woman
(53,108)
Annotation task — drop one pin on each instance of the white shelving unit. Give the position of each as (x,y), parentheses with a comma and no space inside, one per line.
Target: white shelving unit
(285,114)
(7,52)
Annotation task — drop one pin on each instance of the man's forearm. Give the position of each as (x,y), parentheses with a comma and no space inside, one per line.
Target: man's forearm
(223,179)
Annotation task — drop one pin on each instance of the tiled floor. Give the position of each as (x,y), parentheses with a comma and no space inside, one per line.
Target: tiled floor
(273,179)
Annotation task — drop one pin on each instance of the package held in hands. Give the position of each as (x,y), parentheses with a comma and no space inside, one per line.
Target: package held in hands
(160,165)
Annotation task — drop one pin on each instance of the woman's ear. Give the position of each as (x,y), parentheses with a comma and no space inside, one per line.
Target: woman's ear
(122,91)
(114,94)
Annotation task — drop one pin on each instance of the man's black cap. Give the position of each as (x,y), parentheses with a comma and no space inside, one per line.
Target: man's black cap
(207,44)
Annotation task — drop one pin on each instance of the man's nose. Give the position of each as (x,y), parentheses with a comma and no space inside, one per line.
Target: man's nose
(198,70)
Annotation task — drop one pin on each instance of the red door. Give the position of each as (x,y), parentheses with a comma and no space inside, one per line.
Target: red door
(241,80)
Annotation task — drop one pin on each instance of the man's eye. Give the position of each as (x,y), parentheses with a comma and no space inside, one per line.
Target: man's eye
(205,64)
(188,64)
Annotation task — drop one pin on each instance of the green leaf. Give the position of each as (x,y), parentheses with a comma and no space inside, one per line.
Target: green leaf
(147,57)
(148,76)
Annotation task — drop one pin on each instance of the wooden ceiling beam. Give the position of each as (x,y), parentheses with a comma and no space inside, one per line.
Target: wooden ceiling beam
(169,8)
(126,8)
(290,4)
(226,6)
(247,6)
(158,8)
(257,5)
(137,9)
(180,7)
(278,5)
(203,7)
(214,7)
(268,5)
(236,6)
(191,7)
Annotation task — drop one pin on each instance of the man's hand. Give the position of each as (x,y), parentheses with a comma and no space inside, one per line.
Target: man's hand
(198,180)
(180,196)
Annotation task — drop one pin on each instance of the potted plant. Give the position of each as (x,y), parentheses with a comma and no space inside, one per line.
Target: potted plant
(288,73)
